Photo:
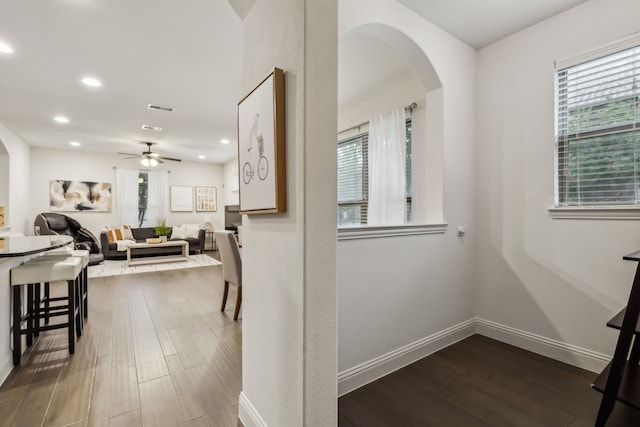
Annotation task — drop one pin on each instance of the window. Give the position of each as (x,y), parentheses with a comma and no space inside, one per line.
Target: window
(353,186)
(143,197)
(598,132)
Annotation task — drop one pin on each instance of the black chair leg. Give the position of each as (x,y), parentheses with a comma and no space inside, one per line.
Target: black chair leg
(47,303)
(17,315)
(36,309)
(71,289)
(30,314)
(85,291)
(77,306)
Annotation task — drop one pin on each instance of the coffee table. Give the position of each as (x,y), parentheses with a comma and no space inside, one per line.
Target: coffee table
(158,258)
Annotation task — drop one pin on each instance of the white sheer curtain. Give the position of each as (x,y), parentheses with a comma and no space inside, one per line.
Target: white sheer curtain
(127,196)
(387,158)
(157,197)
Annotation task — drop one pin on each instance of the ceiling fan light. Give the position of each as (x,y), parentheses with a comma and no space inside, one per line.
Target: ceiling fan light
(145,162)
(153,162)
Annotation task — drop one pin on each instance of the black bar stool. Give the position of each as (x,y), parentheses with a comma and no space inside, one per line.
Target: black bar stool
(32,274)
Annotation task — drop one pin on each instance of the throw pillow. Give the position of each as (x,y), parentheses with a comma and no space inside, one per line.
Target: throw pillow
(192,231)
(178,233)
(119,233)
(127,233)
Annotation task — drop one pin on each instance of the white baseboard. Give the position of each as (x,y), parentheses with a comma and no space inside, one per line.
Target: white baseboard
(5,367)
(248,413)
(371,370)
(558,350)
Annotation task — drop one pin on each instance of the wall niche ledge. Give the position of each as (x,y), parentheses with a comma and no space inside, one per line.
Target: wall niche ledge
(351,233)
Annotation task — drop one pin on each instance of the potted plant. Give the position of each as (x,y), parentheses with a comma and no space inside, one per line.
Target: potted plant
(162,229)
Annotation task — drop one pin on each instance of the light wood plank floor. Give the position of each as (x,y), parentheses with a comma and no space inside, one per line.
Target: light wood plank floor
(156,351)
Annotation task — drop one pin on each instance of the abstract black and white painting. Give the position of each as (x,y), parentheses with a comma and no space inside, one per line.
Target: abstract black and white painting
(75,196)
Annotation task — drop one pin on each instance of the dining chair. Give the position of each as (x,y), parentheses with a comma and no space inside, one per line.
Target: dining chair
(231,266)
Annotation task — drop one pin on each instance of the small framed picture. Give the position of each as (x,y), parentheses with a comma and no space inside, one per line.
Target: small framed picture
(261,147)
(206,199)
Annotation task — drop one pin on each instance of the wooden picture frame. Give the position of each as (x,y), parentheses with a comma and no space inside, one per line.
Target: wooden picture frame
(261,147)
(181,198)
(206,199)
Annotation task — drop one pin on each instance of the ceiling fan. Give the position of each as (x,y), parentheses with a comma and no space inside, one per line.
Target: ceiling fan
(149,158)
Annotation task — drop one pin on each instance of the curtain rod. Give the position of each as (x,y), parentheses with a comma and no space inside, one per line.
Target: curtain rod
(142,169)
(409,107)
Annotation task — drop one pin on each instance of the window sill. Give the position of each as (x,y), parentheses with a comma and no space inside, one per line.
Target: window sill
(352,233)
(596,212)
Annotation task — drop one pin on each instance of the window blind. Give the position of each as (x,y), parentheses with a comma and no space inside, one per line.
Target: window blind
(352,180)
(353,176)
(598,132)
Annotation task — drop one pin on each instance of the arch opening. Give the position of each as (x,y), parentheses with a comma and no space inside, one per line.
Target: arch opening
(411,77)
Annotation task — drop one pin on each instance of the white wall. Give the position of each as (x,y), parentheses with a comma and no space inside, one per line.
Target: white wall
(4,178)
(559,279)
(414,286)
(19,179)
(289,299)
(17,216)
(231,183)
(49,164)
(399,93)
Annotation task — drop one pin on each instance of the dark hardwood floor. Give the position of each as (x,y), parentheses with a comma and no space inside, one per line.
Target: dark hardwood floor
(481,382)
(156,351)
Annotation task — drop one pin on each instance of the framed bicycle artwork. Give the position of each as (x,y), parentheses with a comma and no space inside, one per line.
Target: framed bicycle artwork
(261,147)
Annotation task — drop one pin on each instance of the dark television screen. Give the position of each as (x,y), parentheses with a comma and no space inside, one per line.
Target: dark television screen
(232,217)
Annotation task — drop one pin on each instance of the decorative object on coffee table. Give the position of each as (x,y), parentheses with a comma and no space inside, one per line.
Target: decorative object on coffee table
(162,230)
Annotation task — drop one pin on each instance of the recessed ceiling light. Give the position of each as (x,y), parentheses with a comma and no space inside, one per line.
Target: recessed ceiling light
(5,48)
(153,128)
(225,141)
(92,81)
(75,143)
(61,119)
(160,108)
(201,156)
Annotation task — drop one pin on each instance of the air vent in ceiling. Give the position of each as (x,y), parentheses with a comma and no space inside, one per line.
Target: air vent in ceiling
(160,108)
(153,128)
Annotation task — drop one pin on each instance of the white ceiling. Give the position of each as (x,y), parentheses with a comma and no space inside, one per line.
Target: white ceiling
(479,23)
(148,51)
(188,57)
